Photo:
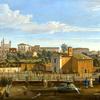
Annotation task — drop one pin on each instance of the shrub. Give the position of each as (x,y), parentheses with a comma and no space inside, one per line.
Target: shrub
(5,81)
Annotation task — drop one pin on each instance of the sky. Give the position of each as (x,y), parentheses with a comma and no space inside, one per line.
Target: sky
(51,22)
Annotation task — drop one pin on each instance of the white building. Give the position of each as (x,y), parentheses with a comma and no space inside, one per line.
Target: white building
(52,49)
(81,50)
(24,47)
(4,49)
(56,63)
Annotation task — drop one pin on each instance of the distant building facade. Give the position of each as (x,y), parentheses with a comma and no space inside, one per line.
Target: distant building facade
(39,48)
(36,48)
(81,50)
(24,47)
(52,49)
(4,49)
(12,50)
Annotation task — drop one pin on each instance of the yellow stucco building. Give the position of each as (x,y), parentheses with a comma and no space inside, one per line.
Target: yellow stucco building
(72,63)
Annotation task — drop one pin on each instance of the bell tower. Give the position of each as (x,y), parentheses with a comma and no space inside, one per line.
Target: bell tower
(2,44)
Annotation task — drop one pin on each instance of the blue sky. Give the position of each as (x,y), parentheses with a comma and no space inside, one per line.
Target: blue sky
(51,22)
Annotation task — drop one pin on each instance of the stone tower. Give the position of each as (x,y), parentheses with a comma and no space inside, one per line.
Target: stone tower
(2,44)
(9,44)
(4,48)
(70,51)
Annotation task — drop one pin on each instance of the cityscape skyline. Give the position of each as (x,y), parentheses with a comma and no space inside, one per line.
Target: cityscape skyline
(51,23)
(57,48)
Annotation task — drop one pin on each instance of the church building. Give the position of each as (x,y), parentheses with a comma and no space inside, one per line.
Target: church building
(4,49)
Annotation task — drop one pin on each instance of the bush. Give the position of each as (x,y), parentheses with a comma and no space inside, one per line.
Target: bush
(5,81)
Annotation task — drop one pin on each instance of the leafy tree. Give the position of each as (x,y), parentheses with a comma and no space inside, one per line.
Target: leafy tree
(44,53)
(45,56)
(64,47)
(49,55)
(96,62)
(25,55)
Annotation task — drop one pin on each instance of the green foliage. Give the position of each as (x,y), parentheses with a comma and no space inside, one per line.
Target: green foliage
(96,62)
(45,56)
(81,56)
(24,55)
(5,81)
(11,56)
(19,56)
(64,47)
(42,57)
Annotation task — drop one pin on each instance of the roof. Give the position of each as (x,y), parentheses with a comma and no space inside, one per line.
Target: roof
(23,44)
(13,48)
(49,47)
(81,56)
(80,48)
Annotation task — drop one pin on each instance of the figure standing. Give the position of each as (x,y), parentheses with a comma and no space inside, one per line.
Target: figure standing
(99,79)
(86,83)
(91,82)
(45,83)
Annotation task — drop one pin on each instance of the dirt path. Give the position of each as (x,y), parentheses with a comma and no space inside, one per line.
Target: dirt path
(23,93)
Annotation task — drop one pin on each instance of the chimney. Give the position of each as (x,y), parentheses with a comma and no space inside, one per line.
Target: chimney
(70,51)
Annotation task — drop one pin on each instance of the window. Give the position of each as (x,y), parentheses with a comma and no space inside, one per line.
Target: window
(85,71)
(55,60)
(55,70)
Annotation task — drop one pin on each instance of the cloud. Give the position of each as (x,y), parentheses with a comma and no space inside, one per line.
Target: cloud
(94,5)
(14,20)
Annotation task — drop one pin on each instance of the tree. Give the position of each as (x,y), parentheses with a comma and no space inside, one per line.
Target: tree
(64,47)
(49,55)
(45,56)
(96,62)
